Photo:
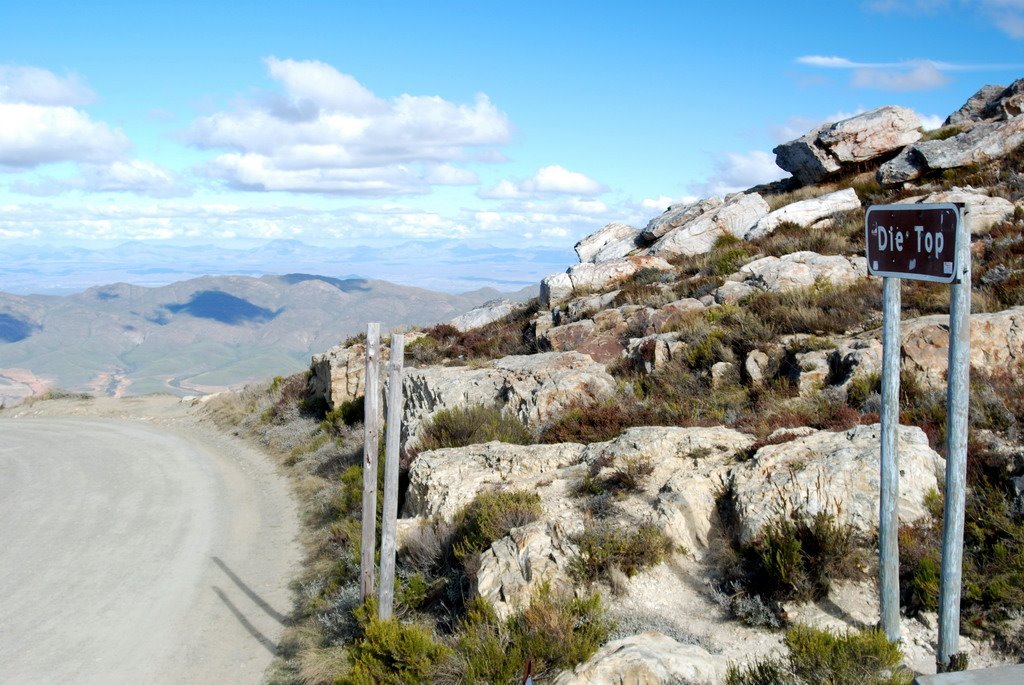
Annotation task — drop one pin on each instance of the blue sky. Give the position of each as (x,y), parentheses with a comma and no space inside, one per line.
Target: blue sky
(522,124)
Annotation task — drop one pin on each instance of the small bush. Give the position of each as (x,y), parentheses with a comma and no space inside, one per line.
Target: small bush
(824,657)
(490,516)
(603,547)
(555,632)
(390,652)
(460,427)
(510,335)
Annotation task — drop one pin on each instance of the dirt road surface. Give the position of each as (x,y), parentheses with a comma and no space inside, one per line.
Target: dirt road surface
(138,545)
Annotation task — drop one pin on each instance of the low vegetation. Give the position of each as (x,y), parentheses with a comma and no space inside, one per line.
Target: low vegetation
(606,548)
(471,425)
(445,344)
(824,657)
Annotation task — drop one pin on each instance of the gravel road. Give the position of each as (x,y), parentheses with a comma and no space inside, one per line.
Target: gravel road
(138,545)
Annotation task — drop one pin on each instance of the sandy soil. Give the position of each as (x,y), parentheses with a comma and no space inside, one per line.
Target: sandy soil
(138,545)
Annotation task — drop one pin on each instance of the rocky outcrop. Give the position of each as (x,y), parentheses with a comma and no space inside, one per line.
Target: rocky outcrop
(697,235)
(976,107)
(530,387)
(836,473)
(486,313)
(339,374)
(677,215)
(653,352)
(512,568)
(824,150)
(981,143)
(611,242)
(586,337)
(983,211)
(443,481)
(648,659)
(589,277)
(806,212)
(801,269)
(997,344)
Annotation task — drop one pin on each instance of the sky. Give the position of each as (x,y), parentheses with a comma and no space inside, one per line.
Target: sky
(509,124)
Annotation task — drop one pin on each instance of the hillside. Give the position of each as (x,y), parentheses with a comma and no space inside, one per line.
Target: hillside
(665,468)
(196,336)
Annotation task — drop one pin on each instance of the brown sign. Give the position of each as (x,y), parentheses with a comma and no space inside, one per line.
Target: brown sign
(913,241)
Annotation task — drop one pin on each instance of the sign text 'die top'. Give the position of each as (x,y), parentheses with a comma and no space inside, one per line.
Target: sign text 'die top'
(913,241)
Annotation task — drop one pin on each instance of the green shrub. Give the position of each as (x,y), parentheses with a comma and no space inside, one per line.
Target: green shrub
(556,632)
(510,335)
(464,426)
(603,546)
(941,133)
(824,657)
(347,414)
(490,516)
(390,652)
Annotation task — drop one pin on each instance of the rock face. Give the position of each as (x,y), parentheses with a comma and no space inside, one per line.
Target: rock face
(339,374)
(443,481)
(736,216)
(997,344)
(983,211)
(486,313)
(648,659)
(531,387)
(824,150)
(595,277)
(513,567)
(677,215)
(976,107)
(611,242)
(806,212)
(981,143)
(800,269)
(833,472)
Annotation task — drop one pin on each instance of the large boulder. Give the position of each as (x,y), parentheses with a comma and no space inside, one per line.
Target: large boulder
(512,568)
(443,481)
(976,108)
(806,212)
(736,216)
(677,215)
(339,374)
(824,150)
(589,277)
(836,473)
(648,659)
(981,143)
(530,387)
(997,344)
(603,345)
(611,242)
(801,269)
(486,313)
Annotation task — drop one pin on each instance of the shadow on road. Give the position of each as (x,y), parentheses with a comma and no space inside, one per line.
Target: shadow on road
(259,601)
(250,628)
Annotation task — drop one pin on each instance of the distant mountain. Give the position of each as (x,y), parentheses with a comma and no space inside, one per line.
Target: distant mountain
(450,266)
(200,335)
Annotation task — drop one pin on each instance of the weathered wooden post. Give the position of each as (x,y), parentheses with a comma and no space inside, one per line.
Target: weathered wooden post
(957,399)
(371,403)
(888,515)
(392,455)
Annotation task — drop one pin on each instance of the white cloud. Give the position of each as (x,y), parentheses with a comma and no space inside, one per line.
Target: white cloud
(916,74)
(133,176)
(450,175)
(1006,15)
(549,180)
(931,121)
(663,202)
(327,133)
(38,134)
(734,171)
(35,86)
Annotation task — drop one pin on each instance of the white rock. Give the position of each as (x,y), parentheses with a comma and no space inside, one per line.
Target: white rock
(801,269)
(339,374)
(735,217)
(611,242)
(648,659)
(486,313)
(983,211)
(806,212)
(677,215)
(836,473)
(588,277)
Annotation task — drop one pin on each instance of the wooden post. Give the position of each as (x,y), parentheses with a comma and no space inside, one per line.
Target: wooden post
(957,399)
(371,402)
(393,446)
(888,515)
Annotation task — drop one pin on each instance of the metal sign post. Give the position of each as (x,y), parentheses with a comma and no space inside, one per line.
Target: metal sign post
(928,243)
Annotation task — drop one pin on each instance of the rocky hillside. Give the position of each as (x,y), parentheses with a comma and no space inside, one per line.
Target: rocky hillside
(686,424)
